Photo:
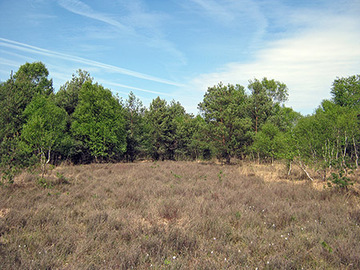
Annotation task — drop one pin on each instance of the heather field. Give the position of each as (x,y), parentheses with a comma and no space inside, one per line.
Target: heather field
(176,215)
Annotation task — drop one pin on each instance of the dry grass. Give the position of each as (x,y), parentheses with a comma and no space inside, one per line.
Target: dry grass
(175,215)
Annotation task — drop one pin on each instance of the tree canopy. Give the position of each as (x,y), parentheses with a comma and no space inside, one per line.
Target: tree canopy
(99,122)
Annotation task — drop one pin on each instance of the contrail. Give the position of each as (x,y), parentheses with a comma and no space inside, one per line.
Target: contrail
(135,88)
(29,48)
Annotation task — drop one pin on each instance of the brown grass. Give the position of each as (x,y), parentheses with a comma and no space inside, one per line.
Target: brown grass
(175,215)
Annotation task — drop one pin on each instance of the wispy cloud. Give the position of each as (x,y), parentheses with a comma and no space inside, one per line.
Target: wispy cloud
(134,88)
(233,13)
(136,22)
(243,19)
(29,48)
(214,9)
(83,9)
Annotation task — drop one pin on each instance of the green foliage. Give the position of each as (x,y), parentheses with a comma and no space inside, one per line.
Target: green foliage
(155,165)
(17,92)
(271,143)
(175,175)
(68,95)
(346,91)
(45,123)
(265,95)
(284,118)
(224,110)
(341,178)
(61,179)
(164,121)
(329,136)
(99,122)
(15,95)
(44,183)
(191,138)
(8,175)
(220,176)
(84,122)
(44,127)
(326,247)
(136,139)
(265,141)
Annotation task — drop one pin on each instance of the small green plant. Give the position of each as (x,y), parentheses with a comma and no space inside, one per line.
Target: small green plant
(326,246)
(220,176)
(155,165)
(203,177)
(51,167)
(175,175)
(62,179)
(8,175)
(340,178)
(44,183)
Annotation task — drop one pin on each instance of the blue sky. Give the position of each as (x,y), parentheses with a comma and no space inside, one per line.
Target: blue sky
(175,49)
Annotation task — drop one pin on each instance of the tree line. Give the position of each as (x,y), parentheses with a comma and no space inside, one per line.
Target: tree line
(83,122)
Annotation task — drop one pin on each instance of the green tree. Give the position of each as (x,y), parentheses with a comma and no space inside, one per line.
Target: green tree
(99,122)
(68,95)
(17,92)
(284,118)
(328,137)
(163,120)
(269,142)
(136,139)
(264,95)
(346,91)
(157,117)
(227,123)
(340,130)
(44,127)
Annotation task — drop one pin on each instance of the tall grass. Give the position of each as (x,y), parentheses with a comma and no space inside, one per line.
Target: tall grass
(175,215)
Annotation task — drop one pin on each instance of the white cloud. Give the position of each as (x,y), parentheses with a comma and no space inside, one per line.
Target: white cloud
(307,61)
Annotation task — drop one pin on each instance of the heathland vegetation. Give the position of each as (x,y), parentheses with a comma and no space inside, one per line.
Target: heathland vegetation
(176,215)
(89,180)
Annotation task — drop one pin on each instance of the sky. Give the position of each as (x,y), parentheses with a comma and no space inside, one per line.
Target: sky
(176,49)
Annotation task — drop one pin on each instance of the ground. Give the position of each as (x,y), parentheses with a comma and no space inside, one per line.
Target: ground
(176,215)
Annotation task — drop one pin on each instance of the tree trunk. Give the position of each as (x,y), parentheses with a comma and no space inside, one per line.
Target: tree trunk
(256,124)
(344,154)
(356,154)
(289,171)
(304,170)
